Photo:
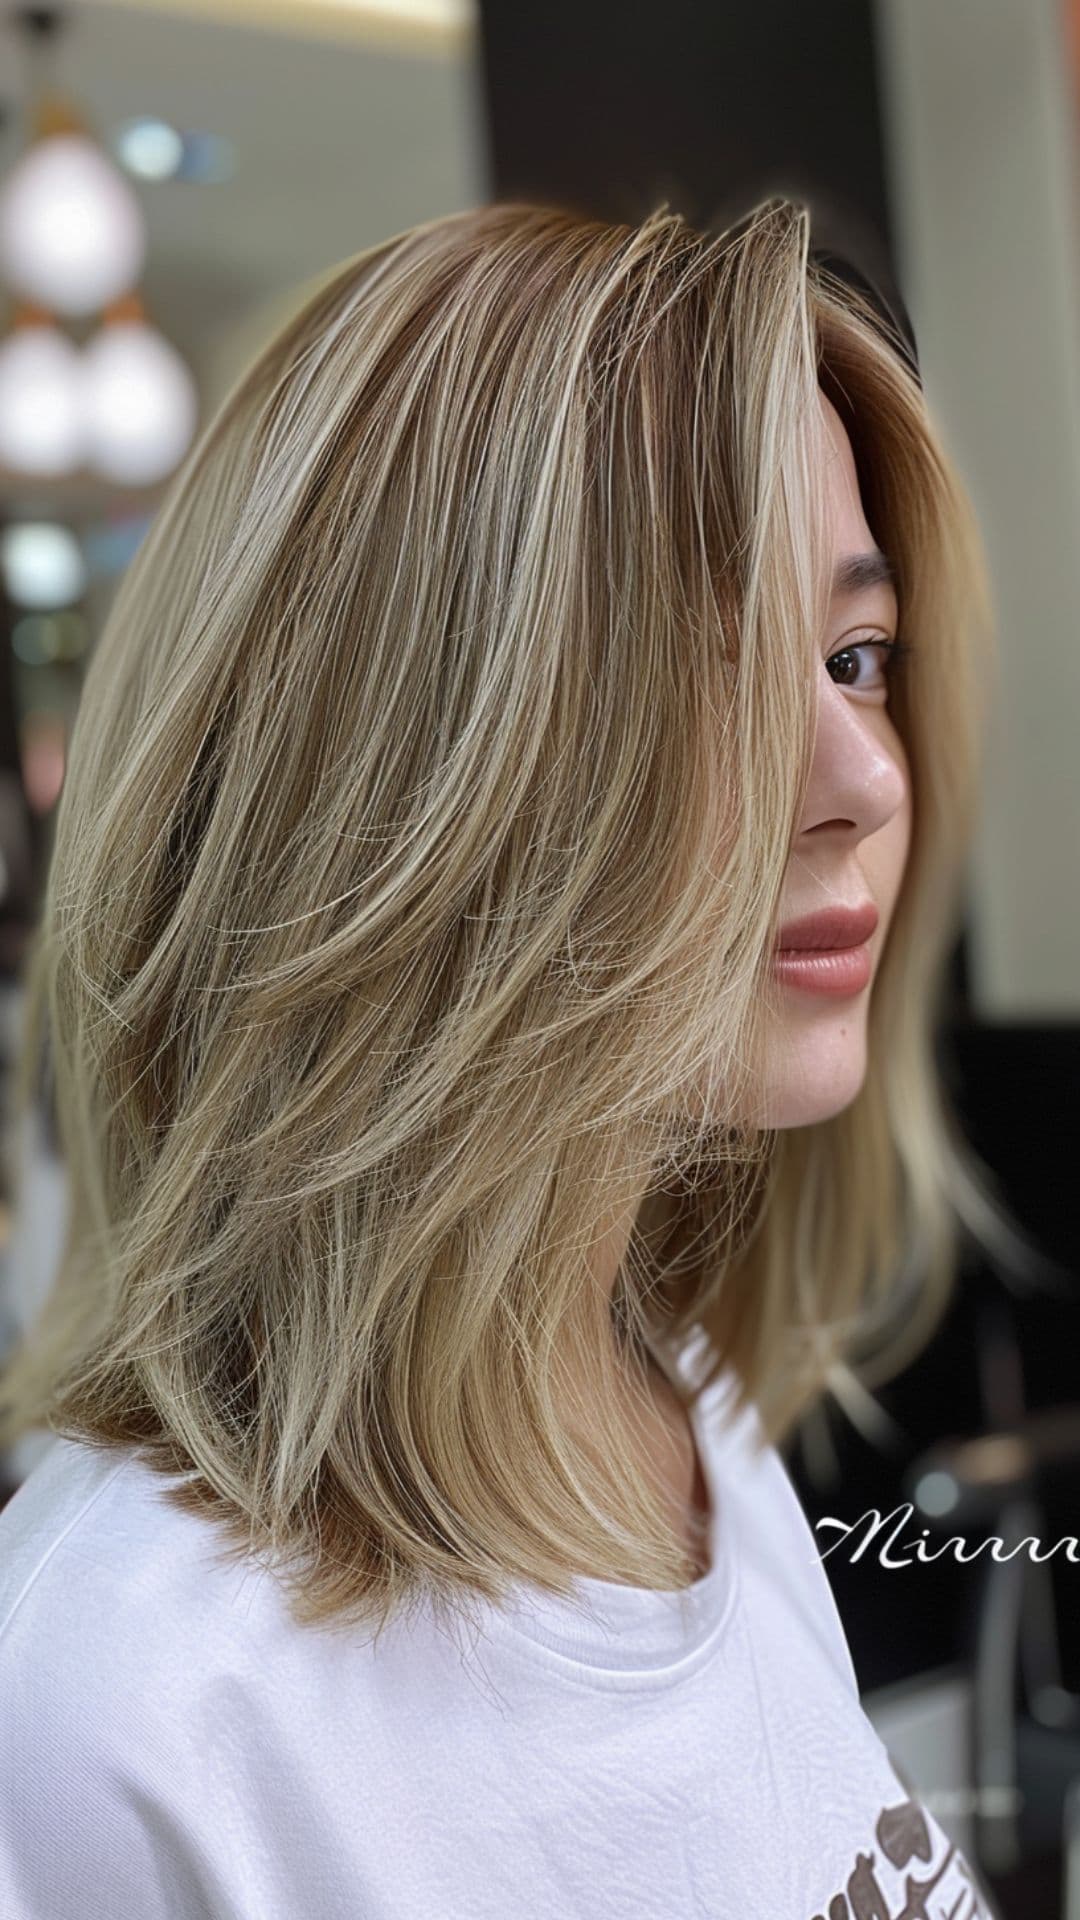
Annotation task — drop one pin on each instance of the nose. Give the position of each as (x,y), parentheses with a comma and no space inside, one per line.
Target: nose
(859,775)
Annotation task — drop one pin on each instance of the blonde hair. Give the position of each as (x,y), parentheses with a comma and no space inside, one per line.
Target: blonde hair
(422,841)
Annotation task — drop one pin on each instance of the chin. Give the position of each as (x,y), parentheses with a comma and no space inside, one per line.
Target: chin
(813,1076)
(812,1093)
(813,1098)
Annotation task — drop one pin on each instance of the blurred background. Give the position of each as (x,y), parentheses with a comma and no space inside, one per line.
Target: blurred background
(174,180)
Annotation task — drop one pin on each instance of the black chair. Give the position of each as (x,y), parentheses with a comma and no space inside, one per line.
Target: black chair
(1017,1485)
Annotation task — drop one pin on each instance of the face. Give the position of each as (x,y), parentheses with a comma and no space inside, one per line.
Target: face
(852,841)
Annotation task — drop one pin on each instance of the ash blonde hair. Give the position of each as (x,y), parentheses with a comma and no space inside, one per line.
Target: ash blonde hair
(422,841)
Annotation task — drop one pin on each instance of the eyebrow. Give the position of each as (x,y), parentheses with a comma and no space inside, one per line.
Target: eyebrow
(858,572)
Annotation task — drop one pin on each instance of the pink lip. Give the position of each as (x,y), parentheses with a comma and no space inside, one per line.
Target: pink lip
(828,931)
(844,971)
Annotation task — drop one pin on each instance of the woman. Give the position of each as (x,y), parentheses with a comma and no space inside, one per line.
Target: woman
(465,1199)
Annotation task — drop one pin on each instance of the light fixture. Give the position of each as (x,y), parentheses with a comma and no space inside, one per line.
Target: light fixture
(72,234)
(140,404)
(42,564)
(72,242)
(41,389)
(149,148)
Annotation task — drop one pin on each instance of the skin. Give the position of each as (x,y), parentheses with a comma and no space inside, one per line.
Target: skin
(853,839)
(851,845)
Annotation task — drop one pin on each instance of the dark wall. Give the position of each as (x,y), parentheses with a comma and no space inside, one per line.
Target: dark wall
(615,107)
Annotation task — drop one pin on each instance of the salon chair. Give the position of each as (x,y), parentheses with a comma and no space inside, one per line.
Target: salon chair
(1020,1483)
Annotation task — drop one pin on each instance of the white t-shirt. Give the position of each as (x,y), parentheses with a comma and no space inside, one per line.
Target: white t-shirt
(173,1747)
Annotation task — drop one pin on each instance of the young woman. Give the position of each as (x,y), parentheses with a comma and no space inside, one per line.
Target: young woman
(465,1197)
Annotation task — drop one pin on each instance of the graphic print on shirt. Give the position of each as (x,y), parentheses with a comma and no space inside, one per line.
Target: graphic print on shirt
(890,1884)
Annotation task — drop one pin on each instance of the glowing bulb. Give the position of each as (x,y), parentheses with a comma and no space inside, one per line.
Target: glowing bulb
(41,401)
(140,403)
(72,234)
(42,564)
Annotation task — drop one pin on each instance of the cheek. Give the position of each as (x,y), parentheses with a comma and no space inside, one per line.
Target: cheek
(885,854)
(902,824)
(898,825)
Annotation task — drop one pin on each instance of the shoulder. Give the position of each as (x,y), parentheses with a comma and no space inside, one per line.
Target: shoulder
(107,1593)
(780,1560)
(93,1523)
(125,1631)
(104,1665)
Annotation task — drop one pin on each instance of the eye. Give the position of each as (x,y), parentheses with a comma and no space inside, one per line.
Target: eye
(892,652)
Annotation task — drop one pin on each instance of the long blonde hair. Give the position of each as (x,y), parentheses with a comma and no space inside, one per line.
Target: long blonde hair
(422,839)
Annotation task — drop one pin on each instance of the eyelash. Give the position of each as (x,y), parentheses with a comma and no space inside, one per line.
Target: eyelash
(895,651)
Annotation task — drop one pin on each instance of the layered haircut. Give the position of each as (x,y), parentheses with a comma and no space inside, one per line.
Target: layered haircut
(422,843)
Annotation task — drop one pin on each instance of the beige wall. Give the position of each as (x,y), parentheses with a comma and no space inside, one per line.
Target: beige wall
(983,152)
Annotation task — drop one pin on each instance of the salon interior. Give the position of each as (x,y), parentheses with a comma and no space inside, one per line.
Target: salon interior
(225,154)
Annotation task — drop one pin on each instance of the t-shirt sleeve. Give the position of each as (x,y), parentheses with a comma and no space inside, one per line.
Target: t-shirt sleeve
(92,1822)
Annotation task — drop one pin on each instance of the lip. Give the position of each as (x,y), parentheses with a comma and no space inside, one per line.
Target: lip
(830,931)
(840,972)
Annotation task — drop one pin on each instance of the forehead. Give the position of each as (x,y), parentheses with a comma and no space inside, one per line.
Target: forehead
(850,531)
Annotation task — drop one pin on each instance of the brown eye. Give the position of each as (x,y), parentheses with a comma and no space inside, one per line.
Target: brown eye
(893,650)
